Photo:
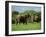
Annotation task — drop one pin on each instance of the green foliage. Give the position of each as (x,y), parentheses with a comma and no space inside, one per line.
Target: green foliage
(32,12)
(14,13)
(13,21)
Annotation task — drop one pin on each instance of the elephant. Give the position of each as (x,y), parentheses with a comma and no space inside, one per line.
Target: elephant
(37,18)
(22,19)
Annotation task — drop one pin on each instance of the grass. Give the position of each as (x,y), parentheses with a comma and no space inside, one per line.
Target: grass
(29,26)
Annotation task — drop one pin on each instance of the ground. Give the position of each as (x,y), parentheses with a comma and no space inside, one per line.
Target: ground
(29,26)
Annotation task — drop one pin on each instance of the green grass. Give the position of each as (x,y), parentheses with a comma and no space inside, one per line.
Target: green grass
(29,26)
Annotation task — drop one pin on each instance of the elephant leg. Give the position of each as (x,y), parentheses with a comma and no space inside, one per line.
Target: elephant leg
(17,21)
(26,21)
(23,22)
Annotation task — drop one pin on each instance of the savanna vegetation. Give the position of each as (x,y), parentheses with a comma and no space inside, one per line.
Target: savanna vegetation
(33,23)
